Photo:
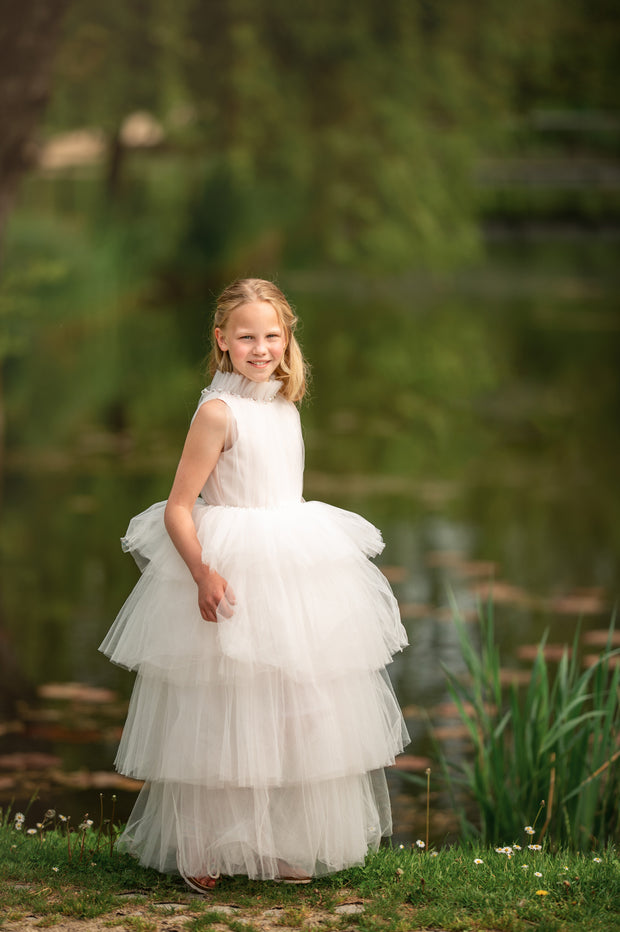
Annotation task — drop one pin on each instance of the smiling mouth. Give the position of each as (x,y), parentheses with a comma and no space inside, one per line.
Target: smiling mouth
(260,365)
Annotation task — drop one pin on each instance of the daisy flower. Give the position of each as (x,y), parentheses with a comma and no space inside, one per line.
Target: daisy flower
(478,861)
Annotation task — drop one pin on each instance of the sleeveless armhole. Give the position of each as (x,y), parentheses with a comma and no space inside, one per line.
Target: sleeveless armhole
(231,423)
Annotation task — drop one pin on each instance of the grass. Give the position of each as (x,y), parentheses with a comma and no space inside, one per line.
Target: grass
(397,889)
(557,741)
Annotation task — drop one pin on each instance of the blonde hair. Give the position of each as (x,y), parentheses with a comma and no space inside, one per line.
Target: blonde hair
(293,369)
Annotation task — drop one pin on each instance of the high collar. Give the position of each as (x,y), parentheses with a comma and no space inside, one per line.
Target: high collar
(232,383)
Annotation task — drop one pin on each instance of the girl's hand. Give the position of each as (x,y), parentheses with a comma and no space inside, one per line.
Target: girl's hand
(213,593)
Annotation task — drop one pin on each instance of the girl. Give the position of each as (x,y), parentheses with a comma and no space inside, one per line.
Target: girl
(262,716)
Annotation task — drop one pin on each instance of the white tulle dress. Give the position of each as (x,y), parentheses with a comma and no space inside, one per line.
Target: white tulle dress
(262,738)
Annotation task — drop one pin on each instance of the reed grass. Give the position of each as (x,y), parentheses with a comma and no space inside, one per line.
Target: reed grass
(551,748)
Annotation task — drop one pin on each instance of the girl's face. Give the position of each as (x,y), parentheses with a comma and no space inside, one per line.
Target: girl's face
(255,340)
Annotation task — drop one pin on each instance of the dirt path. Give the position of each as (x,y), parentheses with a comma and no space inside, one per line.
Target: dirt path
(173,917)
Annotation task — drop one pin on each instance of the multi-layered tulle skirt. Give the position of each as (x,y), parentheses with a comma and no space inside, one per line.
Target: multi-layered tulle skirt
(262,738)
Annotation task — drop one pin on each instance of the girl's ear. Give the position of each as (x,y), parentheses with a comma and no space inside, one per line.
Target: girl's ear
(221,339)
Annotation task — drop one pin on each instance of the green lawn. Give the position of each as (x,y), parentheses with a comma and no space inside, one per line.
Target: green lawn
(399,889)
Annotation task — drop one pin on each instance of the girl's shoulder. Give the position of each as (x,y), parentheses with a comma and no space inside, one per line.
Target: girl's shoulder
(211,413)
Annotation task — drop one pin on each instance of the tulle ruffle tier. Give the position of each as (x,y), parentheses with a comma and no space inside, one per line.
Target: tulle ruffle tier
(307,599)
(266,730)
(316,828)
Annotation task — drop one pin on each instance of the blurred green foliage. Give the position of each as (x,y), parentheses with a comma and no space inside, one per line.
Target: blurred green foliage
(339,132)
(318,136)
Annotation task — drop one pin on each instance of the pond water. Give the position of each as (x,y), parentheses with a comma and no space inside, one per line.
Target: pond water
(472,417)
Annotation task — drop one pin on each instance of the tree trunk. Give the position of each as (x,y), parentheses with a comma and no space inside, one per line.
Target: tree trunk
(29,32)
(116,157)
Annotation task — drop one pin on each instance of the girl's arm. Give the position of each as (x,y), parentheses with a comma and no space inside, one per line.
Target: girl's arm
(204,443)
